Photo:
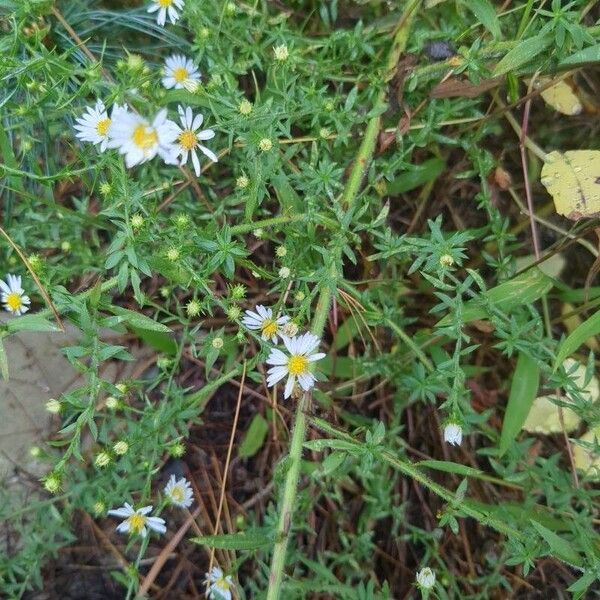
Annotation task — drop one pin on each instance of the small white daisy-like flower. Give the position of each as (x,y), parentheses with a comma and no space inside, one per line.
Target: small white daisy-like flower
(296,365)
(426,578)
(136,521)
(179,492)
(181,73)
(453,434)
(13,295)
(165,7)
(94,125)
(263,320)
(140,141)
(189,138)
(218,586)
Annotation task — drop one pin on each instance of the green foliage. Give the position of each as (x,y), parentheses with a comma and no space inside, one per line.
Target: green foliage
(348,197)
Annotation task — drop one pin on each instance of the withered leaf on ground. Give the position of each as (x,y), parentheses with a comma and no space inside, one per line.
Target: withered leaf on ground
(463,88)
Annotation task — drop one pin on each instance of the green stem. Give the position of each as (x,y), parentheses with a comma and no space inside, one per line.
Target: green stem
(349,196)
(288,498)
(369,141)
(281,220)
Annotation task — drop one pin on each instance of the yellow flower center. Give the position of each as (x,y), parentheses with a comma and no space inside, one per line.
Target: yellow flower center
(165,3)
(180,74)
(144,137)
(269,328)
(13,301)
(177,494)
(188,139)
(102,126)
(223,584)
(297,365)
(136,523)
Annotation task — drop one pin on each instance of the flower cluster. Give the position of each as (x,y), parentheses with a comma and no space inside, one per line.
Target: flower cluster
(301,350)
(179,493)
(140,139)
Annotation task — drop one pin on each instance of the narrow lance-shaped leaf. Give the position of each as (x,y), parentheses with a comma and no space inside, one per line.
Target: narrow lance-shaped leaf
(589,328)
(523,391)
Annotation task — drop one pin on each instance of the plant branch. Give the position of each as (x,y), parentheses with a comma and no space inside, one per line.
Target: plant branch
(349,197)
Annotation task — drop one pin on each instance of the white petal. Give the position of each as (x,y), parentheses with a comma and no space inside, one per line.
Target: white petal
(206,134)
(289,343)
(197,121)
(262,311)
(277,357)
(315,357)
(123,527)
(289,386)
(275,375)
(157,524)
(125,511)
(209,153)
(196,163)
(306,380)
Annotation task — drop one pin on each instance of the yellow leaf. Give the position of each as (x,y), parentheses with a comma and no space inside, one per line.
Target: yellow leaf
(586,459)
(573,181)
(560,97)
(571,323)
(544,417)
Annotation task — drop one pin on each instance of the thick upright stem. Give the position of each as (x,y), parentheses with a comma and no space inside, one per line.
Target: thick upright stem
(349,196)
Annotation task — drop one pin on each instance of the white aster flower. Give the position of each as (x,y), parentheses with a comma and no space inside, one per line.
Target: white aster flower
(426,578)
(94,125)
(140,141)
(136,521)
(188,138)
(163,7)
(13,295)
(453,434)
(263,320)
(181,73)
(218,586)
(179,492)
(295,366)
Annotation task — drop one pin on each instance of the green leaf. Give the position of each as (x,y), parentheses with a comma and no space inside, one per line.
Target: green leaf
(139,320)
(319,445)
(30,323)
(286,194)
(523,289)
(158,340)
(584,331)
(249,540)
(450,467)
(523,390)
(585,56)
(486,13)
(345,367)
(254,437)
(580,587)
(185,97)
(522,53)
(345,333)
(430,170)
(560,547)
